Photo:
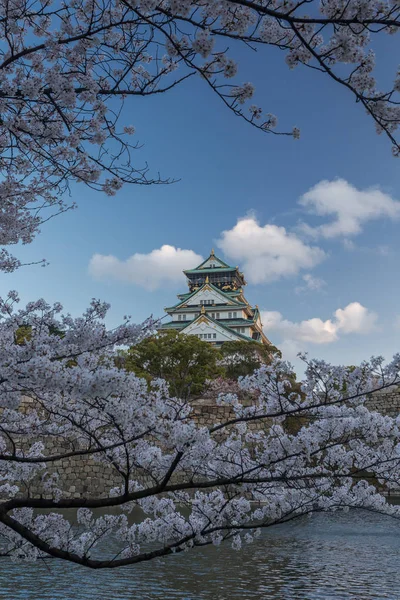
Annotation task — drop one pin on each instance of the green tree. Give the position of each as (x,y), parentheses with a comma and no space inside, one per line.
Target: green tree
(24,333)
(184,361)
(242,358)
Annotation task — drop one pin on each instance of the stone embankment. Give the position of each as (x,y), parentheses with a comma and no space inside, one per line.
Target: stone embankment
(386,402)
(84,476)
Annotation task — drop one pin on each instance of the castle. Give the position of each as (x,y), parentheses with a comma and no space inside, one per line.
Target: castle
(215,308)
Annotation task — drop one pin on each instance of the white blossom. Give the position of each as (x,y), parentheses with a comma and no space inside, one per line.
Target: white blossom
(230,477)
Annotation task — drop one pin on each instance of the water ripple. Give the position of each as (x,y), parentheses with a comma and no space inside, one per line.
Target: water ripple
(328,557)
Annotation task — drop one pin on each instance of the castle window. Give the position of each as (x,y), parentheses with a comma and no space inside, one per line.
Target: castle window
(230,315)
(214,336)
(234,315)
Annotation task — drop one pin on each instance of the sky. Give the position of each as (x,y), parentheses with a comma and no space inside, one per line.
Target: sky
(313,223)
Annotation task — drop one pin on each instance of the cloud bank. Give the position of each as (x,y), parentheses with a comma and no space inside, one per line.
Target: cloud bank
(159,267)
(354,318)
(348,208)
(265,252)
(268,252)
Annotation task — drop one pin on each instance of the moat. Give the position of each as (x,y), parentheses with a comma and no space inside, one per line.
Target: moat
(342,556)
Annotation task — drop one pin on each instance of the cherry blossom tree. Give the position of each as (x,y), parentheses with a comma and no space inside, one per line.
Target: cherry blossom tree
(66,69)
(234,477)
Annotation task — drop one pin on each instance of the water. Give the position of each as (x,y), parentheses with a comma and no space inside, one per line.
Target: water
(353,556)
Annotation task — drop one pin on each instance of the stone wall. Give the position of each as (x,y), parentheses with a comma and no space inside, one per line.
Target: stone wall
(84,476)
(387,401)
(207,413)
(79,476)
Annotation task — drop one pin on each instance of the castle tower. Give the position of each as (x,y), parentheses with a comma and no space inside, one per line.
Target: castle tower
(215,308)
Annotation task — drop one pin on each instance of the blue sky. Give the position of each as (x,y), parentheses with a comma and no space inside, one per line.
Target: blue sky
(228,171)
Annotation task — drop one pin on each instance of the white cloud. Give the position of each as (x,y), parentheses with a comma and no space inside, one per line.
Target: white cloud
(313,330)
(348,207)
(354,318)
(267,253)
(313,284)
(161,266)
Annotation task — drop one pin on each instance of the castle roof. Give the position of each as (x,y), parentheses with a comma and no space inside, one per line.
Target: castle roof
(219,324)
(216,291)
(230,299)
(217,263)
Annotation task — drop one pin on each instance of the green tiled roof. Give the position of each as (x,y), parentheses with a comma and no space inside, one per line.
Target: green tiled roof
(237,322)
(208,307)
(241,335)
(227,322)
(175,324)
(230,322)
(221,324)
(235,293)
(210,270)
(213,257)
(221,292)
(215,288)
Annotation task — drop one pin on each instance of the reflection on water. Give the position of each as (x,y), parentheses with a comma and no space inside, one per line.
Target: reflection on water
(328,557)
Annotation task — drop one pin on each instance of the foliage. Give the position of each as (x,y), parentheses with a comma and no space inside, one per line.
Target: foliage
(23,334)
(67,68)
(192,366)
(242,358)
(184,361)
(196,485)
